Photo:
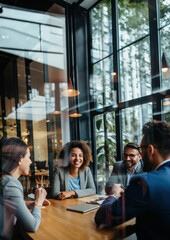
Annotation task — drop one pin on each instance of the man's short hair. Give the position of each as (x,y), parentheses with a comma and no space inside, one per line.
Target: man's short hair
(132,145)
(157,133)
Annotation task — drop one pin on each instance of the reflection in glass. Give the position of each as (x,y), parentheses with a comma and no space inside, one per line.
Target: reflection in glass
(101,28)
(106,148)
(165,49)
(102,84)
(17,35)
(135,72)
(133,21)
(31,38)
(33,53)
(132,121)
(166,109)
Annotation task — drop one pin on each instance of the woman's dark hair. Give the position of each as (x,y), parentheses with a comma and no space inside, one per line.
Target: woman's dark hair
(11,151)
(64,155)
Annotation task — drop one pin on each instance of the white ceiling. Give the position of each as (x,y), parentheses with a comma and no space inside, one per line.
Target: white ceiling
(85,4)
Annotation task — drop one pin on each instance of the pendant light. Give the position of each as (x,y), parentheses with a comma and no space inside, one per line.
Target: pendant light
(70,91)
(75,114)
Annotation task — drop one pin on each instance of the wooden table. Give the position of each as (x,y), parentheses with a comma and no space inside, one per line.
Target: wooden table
(59,223)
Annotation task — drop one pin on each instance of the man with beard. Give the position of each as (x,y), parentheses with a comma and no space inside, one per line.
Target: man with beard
(148,196)
(123,170)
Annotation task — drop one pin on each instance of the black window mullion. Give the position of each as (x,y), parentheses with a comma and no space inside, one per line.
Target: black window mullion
(116,64)
(155,53)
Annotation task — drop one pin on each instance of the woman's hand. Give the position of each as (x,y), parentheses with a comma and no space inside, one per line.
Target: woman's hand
(40,195)
(46,203)
(66,194)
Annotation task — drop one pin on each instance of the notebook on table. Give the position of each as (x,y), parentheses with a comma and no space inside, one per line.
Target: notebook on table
(82,208)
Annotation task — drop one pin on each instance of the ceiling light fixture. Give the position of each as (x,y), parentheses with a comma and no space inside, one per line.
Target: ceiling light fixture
(75,114)
(70,91)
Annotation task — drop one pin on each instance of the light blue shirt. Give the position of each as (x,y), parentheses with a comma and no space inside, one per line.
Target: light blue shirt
(129,175)
(74,183)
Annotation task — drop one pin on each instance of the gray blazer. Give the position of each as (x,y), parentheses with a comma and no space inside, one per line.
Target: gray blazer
(61,182)
(119,173)
(13,208)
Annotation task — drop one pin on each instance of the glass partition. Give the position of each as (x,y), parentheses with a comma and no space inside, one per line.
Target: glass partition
(106,148)
(133,119)
(102,84)
(166,109)
(135,70)
(33,74)
(164,8)
(101,28)
(140,45)
(133,21)
(165,56)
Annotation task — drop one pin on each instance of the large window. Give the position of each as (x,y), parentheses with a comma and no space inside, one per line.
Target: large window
(101,28)
(166,109)
(133,21)
(139,47)
(133,119)
(101,87)
(106,147)
(135,74)
(164,7)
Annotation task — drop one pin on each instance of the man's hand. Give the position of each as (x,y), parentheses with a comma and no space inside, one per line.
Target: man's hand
(116,190)
(66,194)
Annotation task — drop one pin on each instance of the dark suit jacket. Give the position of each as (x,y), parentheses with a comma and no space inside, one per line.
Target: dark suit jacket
(119,173)
(148,199)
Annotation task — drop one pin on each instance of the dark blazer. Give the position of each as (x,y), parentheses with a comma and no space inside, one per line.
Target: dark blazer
(148,199)
(61,182)
(119,173)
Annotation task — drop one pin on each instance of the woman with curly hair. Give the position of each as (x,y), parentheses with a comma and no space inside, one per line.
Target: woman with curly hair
(73,177)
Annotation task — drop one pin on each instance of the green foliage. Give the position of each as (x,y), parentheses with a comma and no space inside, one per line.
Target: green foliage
(98,124)
(126,140)
(106,142)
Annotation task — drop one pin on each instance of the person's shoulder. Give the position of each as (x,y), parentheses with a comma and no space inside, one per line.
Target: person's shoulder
(118,164)
(60,169)
(11,186)
(10,180)
(87,170)
(139,167)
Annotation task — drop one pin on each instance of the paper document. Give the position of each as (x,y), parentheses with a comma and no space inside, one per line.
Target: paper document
(98,200)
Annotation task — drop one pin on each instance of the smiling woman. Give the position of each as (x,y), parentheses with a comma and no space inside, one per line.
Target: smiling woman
(72,177)
(15,161)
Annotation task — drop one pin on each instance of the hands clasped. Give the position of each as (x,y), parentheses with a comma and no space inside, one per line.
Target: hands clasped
(116,190)
(66,194)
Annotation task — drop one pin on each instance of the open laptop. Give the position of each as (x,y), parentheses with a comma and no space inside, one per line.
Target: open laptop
(83,207)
